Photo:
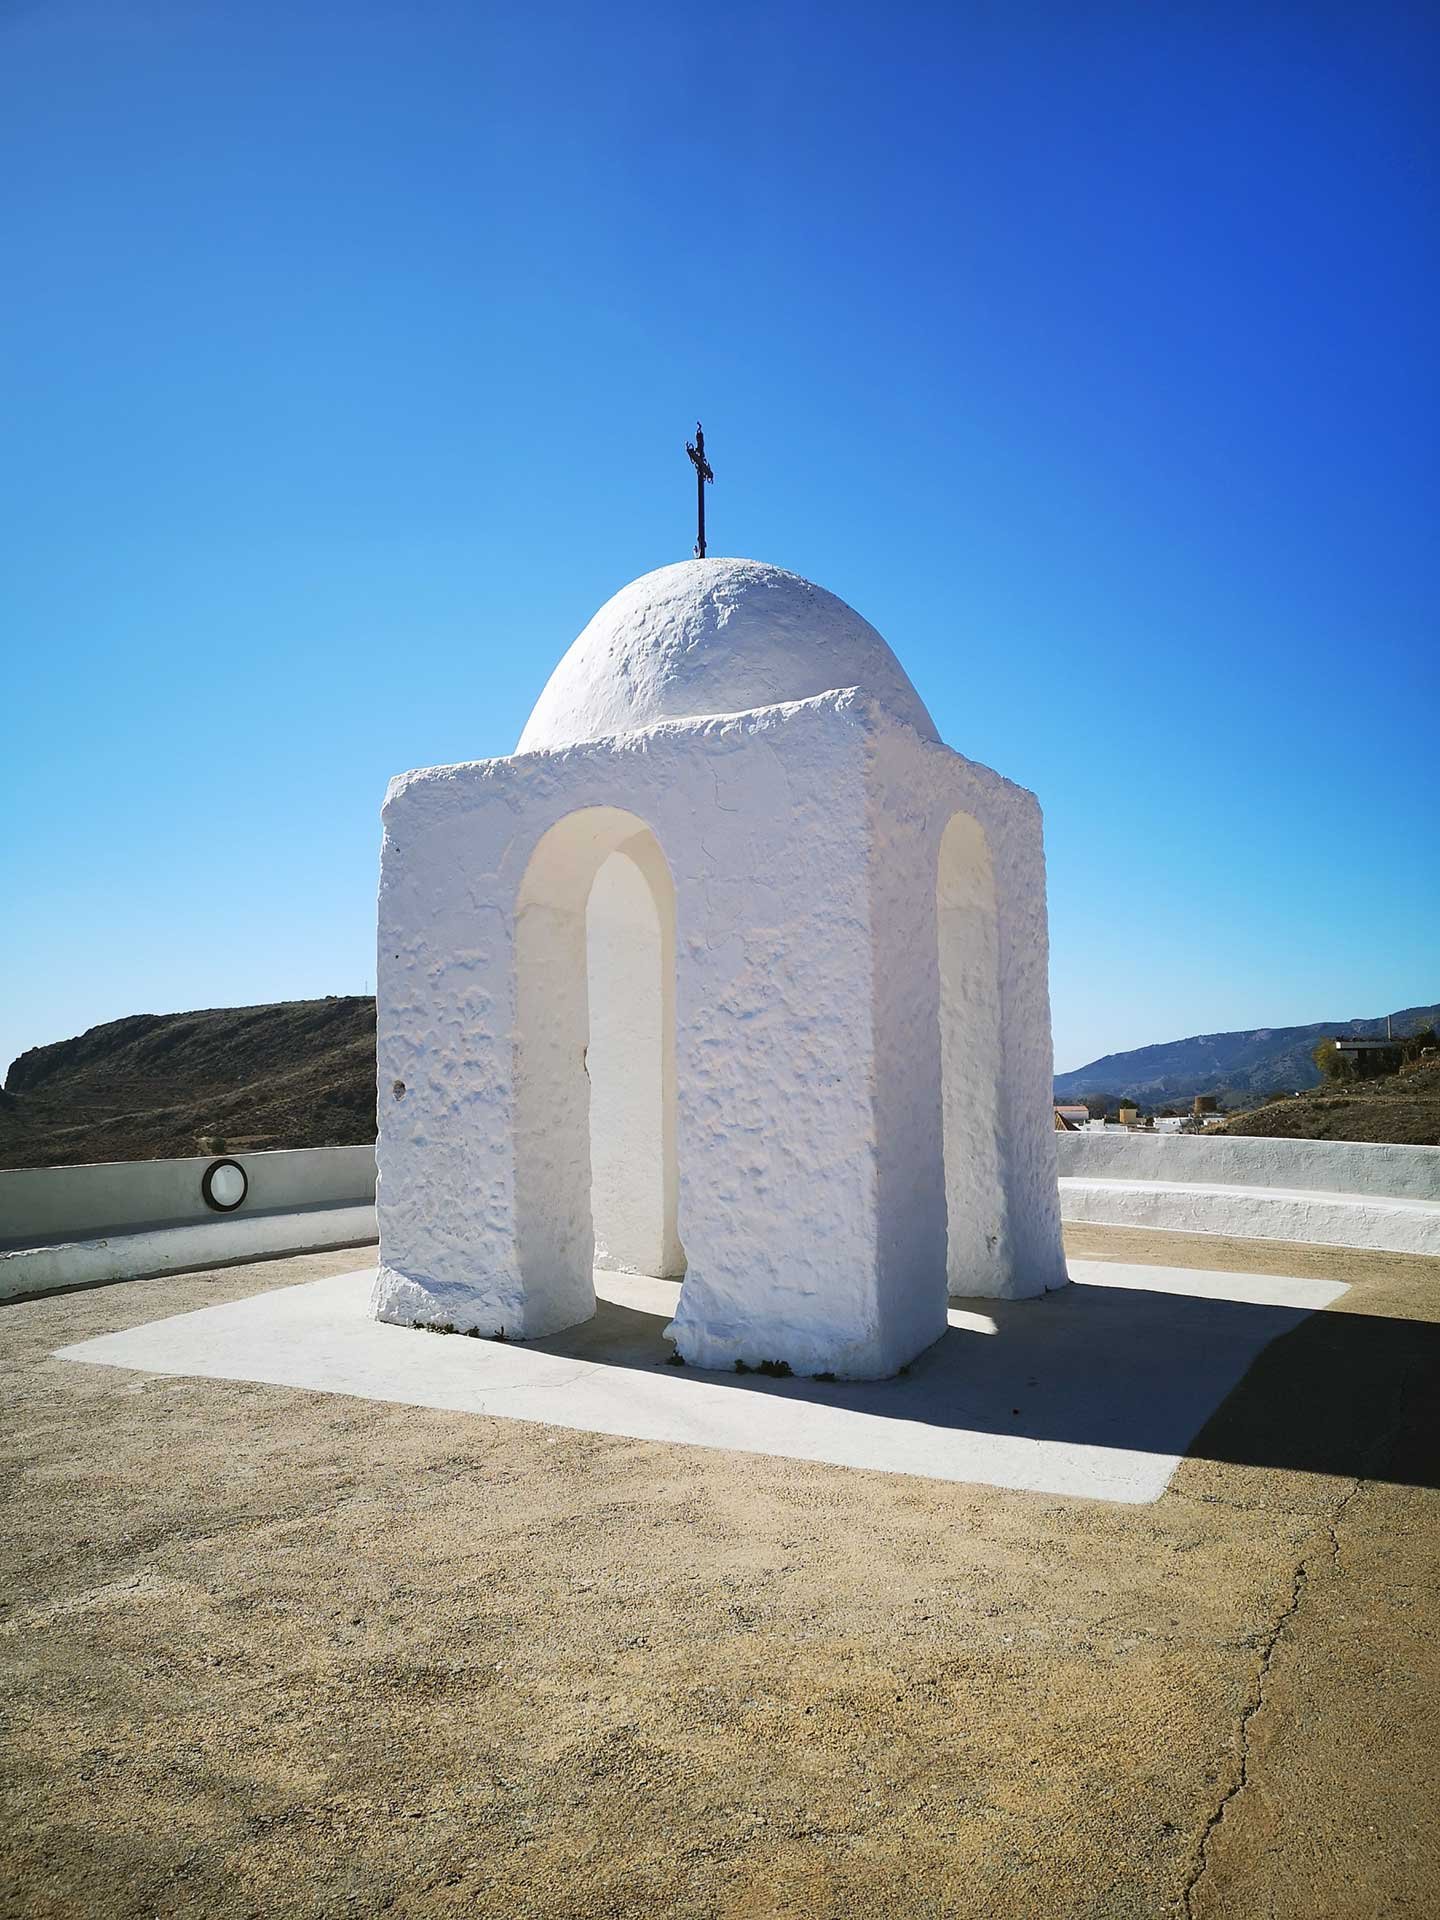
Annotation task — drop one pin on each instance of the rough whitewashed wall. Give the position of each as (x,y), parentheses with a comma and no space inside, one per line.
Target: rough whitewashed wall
(985,994)
(778,1149)
(980,1256)
(804,843)
(910,1159)
(762,820)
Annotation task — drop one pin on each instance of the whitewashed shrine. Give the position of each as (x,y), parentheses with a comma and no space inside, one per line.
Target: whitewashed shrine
(732,971)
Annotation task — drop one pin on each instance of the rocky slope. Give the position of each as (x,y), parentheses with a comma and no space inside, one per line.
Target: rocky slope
(300,1073)
(1402,1108)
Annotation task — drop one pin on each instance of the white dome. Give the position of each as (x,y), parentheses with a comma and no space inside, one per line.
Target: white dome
(714,636)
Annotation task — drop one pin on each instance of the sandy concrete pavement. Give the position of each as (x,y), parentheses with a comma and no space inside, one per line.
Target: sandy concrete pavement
(270,1652)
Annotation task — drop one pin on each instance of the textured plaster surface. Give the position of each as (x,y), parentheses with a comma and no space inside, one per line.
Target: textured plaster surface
(1160,1349)
(708,637)
(802,843)
(971,1030)
(958,872)
(776,1135)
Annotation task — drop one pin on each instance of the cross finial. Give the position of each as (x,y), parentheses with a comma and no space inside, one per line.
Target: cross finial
(703,476)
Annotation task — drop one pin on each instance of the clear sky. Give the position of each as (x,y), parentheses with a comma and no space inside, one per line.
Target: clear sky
(347,356)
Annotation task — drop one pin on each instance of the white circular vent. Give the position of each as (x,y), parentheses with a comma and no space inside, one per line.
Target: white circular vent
(223,1185)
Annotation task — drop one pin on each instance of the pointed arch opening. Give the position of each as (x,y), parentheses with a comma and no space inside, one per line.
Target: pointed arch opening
(970,1058)
(596,1156)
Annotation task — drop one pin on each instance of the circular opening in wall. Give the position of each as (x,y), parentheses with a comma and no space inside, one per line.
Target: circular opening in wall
(223,1185)
(399,1089)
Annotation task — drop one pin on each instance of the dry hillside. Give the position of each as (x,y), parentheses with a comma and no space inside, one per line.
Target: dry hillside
(1402,1107)
(297,1074)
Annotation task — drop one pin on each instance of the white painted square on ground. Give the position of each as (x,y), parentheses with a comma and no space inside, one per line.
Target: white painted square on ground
(1095,1391)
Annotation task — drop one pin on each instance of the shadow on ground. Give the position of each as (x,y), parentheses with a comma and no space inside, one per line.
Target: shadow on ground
(1331,1392)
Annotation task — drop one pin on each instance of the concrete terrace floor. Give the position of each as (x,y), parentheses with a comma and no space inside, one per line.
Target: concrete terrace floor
(272,1652)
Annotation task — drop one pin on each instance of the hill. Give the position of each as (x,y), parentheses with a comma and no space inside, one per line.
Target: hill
(300,1073)
(1403,1108)
(1239,1067)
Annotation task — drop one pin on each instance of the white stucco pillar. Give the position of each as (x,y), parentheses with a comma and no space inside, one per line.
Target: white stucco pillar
(1027,1078)
(979,1255)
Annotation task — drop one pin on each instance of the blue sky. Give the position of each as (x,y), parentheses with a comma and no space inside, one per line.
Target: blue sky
(348,356)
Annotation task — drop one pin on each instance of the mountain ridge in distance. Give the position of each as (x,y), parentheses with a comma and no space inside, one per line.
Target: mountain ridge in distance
(1249,1061)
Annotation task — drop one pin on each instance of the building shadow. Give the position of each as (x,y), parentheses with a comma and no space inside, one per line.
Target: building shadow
(1326,1392)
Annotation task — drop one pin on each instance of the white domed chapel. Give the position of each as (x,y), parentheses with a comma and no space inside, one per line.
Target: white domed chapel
(732,971)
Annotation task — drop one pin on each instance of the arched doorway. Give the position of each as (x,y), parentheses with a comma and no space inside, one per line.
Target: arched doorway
(596,1165)
(630,968)
(970,1056)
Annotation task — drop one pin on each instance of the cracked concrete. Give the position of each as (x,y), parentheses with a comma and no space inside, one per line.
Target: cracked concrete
(1414,1387)
(275,1652)
(1241,1779)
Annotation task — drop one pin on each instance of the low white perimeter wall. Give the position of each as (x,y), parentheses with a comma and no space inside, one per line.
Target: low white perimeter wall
(1328,1192)
(43,1203)
(1232,1160)
(75,1226)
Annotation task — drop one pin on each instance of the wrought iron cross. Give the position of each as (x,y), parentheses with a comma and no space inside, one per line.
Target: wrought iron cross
(703,477)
